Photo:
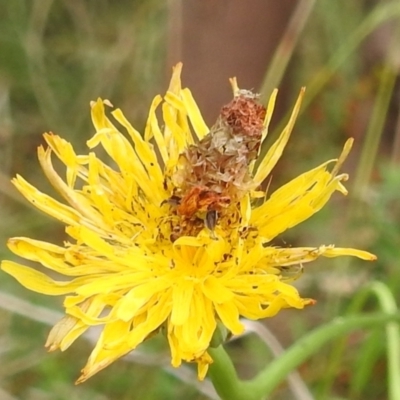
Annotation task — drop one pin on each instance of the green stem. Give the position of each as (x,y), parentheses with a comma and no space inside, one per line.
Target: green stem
(388,305)
(372,350)
(275,373)
(228,385)
(224,378)
(380,14)
(284,51)
(374,134)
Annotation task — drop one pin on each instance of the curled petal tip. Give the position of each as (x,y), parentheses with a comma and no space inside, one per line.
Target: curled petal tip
(84,376)
(175,84)
(52,347)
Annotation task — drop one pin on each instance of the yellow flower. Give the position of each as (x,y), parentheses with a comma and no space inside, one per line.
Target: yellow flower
(172,235)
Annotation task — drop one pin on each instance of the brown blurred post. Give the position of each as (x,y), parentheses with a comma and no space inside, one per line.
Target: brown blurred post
(218,39)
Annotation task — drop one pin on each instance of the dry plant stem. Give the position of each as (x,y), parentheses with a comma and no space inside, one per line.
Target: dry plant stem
(175,27)
(103,70)
(33,44)
(21,363)
(285,48)
(375,127)
(380,14)
(6,128)
(395,158)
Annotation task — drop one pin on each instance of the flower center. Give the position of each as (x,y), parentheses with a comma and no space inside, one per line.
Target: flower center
(213,175)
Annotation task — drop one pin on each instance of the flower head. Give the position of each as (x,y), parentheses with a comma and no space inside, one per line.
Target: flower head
(175,233)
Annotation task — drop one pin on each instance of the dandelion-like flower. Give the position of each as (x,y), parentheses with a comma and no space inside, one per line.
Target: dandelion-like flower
(173,235)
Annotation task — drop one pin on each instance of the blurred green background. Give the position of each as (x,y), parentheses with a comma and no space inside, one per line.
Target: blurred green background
(56,56)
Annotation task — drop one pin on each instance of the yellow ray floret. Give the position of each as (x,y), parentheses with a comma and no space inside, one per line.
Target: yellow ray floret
(136,265)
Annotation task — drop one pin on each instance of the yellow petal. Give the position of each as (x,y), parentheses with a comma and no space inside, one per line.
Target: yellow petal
(153,129)
(274,153)
(175,83)
(199,126)
(216,291)
(340,251)
(64,333)
(268,114)
(182,293)
(74,198)
(229,315)
(45,203)
(39,282)
(101,356)
(143,149)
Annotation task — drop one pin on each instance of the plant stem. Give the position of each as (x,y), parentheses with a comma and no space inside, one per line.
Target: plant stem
(224,378)
(284,51)
(387,303)
(229,387)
